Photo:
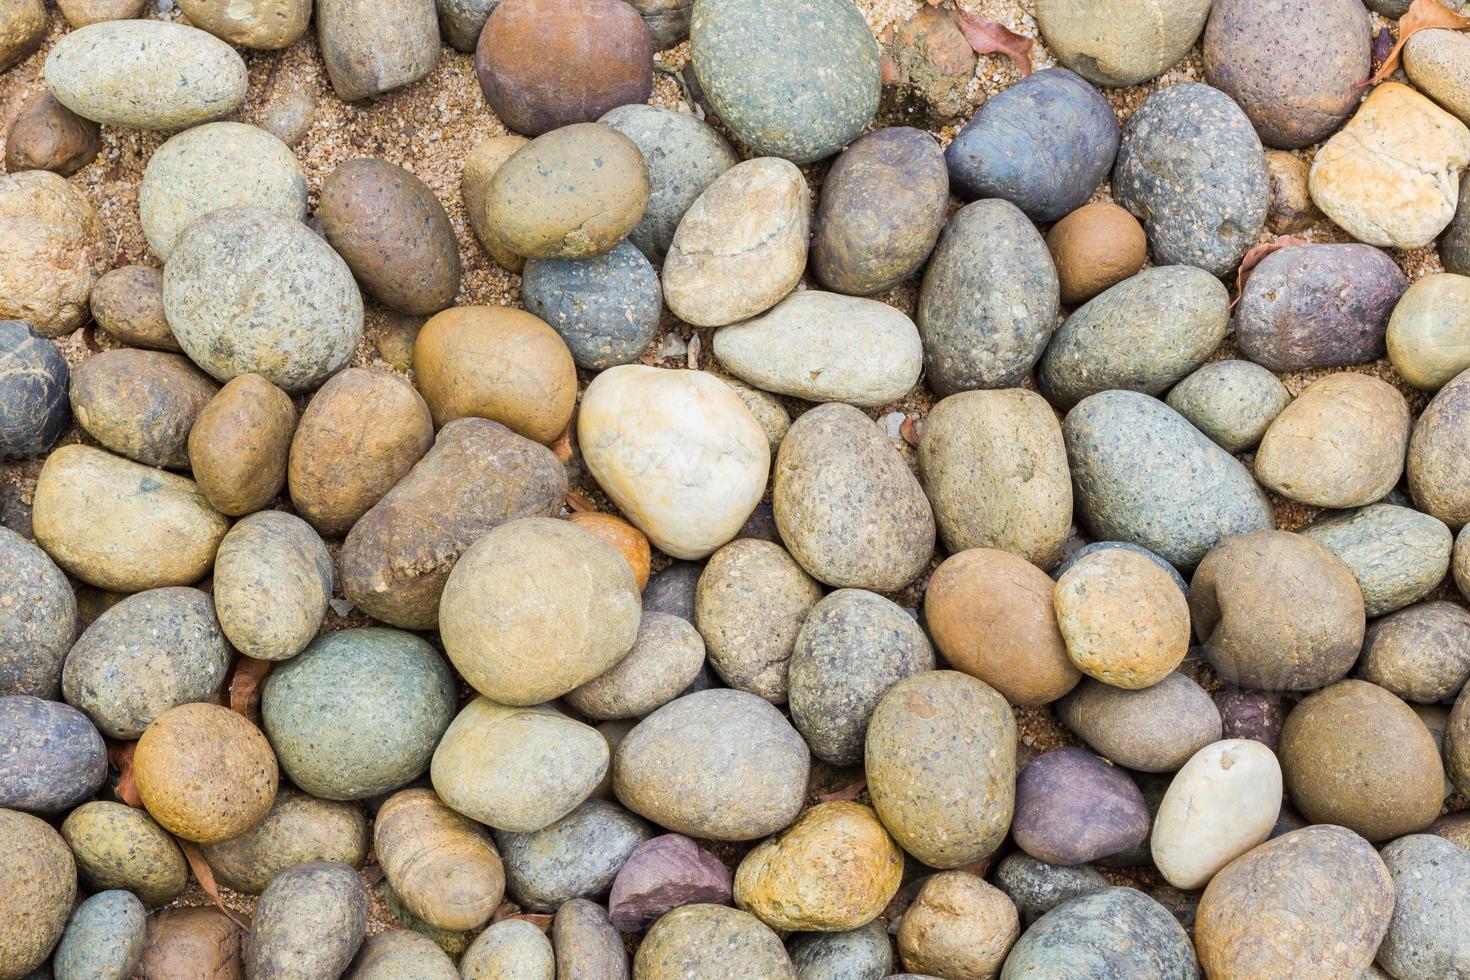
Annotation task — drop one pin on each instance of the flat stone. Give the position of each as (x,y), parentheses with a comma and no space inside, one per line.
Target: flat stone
(662,874)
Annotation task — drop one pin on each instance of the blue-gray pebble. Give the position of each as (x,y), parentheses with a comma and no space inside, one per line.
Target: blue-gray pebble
(1037,887)
(858,954)
(1044,144)
(359,712)
(1141,473)
(606,308)
(1117,932)
(578,856)
(33,391)
(793,80)
(38,625)
(988,301)
(103,940)
(51,756)
(1192,170)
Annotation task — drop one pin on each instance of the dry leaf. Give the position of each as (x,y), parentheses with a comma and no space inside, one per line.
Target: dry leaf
(1421,16)
(120,757)
(1253,258)
(578,502)
(205,876)
(847,792)
(510,910)
(562,447)
(989,37)
(911,431)
(373,873)
(245,685)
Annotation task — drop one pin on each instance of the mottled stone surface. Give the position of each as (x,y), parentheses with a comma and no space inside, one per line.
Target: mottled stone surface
(958,926)
(586,945)
(1115,931)
(186,943)
(1072,808)
(605,307)
(1191,168)
(373,46)
(37,629)
(266,25)
(1427,936)
(46,135)
(679,947)
(1438,465)
(1232,402)
(857,954)
(1037,887)
(118,846)
(141,404)
(33,391)
(513,948)
(662,874)
(399,953)
(1122,622)
(1421,653)
(480,166)
(461,21)
(299,829)
(309,922)
(1429,331)
(578,856)
(42,885)
(53,758)
(22,31)
(272,580)
(1155,729)
(127,302)
(1291,209)
(53,249)
(1454,243)
(666,658)
(1120,42)
(104,937)
(1397,554)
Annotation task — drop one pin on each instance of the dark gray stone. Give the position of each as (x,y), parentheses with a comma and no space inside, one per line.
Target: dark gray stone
(39,623)
(1116,932)
(1072,808)
(672,590)
(461,21)
(1044,144)
(1037,887)
(606,308)
(51,756)
(858,954)
(578,856)
(1192,169)
(33,389)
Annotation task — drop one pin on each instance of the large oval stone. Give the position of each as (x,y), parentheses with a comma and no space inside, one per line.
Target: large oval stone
(41,887)
(1397,554)
(744,53)
(54,758)
(1429,332)
(1143,474)
(1155,729)
(38,626)
(141,404)
(1428,935)
(1221,804)
(677,451)
(1438,465)
(1120,42)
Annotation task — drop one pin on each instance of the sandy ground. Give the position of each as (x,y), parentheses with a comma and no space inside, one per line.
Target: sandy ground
(429,128)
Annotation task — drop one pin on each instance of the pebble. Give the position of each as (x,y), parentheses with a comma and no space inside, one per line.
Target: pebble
(941,765)
(374,46)
(630,542)
(239,445)
(578,856)
(959,926)
(1388,177)
(399,953)
(1295,70)
(606,308)
(1037,887)
(662,874)
(1115,930)
(1427,936)
(53,249)
(846,504)
(1319,895)
(127,302)
(141,403)
(678,453)
(1122,622)
(585,943)
(1255,715)
(1073,808)
(742,245)
(1291,209)
(151,652)
(118,846)
(1310,306)
(1355,755)
(1397,554)
(682,945)
(1456,742)
(103,938)
(1438,464)
(361,432)
(719,764)
(1044,144)
(1276,611)
(512,948)
(1223,803)
(299,829)
(46,135)
(34,380)
(1142,474)
(1143,334)
(296,334)
(358,712)
(1420,654)
(684,155)
(54,758)
(1460,563)
(775,422)
(520,645)
(883,204)
(667,21)
(1430,330)
(571,194)
(517,769)
(479,169)
(262,560)
(443,868)
(990,614)
(666,658)
(1155,729)
(121,525)
(928,66)
(205,773)
(497,363)
(855,954)
(393,234)
(1232,402)
(309,921)
(21,31)
(41,885)
(462,21)
(988,301)
(546,64)
(265,25)
(1204,207)
(852,648)
(289,110)
(1121,43)
(189,942)
(1435,63)
(1094,248)
(145,74)
(1341,443)
(38,627)
(217,165)
(743,51)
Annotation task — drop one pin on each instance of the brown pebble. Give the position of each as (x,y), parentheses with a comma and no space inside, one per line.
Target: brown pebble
(239,445)
(1291,209)
(128,303)
(630,542)
(1095,247)
(187,944)
(46,135)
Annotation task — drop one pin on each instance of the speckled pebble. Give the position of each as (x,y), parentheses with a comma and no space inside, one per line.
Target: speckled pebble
(1397,554)
(605,307)
(578,856)
(1232,402)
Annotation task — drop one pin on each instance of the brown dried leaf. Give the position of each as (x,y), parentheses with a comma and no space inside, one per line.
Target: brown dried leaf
(245,685)
(510,910)
(1254,257)
(911,430)
(120,757)
(579,503)
(847,792)
(373,873)
(1421,16)
(989,37)
(205,876)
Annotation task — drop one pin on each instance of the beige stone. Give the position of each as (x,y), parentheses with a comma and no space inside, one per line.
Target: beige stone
(479,168)
(1429,331)
(52,250)
(960,927)
(1438,63)
(266,25)
(1223,802)
(1124,620)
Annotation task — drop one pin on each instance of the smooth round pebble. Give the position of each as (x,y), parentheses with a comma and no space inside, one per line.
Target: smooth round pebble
(266,25)
(958,926)
(240,443)
(374,46)
(509,949)
(1154,729)
(103,938)
(1073,808)
(1094,248)
(1438,465)
(1121,619)
(272,582)
(141,404)
(585,943)
(666,658)
(578,856)
(309,922)
(1224,801)
(1120,42)
(399,954)
(856,954)
(711,942)
(46,135)
(299,829)
(1421,653)
(119,846)
(1429,330)
(1232,402)
(1118,931)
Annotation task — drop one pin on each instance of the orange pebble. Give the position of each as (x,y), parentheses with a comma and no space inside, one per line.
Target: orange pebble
(629,541)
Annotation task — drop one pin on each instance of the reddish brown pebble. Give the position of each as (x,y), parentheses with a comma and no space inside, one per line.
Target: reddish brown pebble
(662,874)
(46,135)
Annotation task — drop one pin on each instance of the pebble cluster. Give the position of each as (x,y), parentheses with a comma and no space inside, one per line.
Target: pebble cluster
(671,673)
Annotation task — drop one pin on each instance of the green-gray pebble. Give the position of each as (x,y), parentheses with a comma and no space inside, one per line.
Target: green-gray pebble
(577,856)
(399,954)
(1037,887)
(1397,554)
(858,954)
(510,949)
(103,939)
(308,923)
(299,829)
(272,582)
(1115,932)
(666,657)
(37,628)
(1232,402)
(711,942)
(118,846)
(1429,935)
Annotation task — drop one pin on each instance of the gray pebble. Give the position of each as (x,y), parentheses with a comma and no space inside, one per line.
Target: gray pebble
(1429,935)
(578,856)
(33,391)
(103,939)
(606,307)
(37,627)
(1037,887)
(1397,554)
(51,758)
(1232,402)
(1116,932)
(858,954)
